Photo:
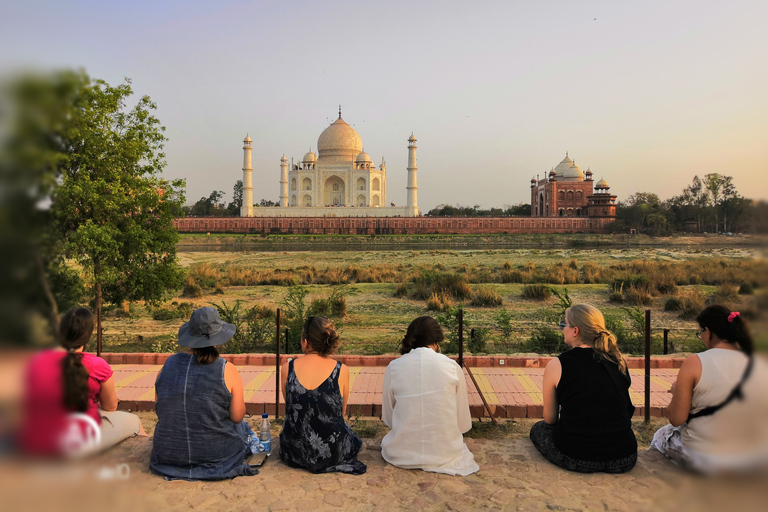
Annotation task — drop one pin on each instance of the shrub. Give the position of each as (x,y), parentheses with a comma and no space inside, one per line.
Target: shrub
(536,292)
(192,290)
(204,274)
(673,304)
(477,340)
(746,289)
(546,340)
(176,310)
(503,321)
(454,284)
(726,292)
(421,291)
(511,276)
(639,282)
(637,296)
(691,306)
(486,297)
(439,302)
(335,305)
(401,290)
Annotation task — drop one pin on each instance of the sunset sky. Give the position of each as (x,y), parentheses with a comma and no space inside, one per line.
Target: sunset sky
(646,94)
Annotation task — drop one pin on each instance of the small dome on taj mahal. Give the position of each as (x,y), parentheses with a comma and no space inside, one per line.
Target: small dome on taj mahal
(602,184)
(363,157)
(309,158)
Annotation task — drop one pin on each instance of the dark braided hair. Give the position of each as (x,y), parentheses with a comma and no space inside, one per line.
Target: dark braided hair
(321,335)
(726,325)
(75,331)
(422,332)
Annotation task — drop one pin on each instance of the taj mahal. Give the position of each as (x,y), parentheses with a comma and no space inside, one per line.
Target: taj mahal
(340,181)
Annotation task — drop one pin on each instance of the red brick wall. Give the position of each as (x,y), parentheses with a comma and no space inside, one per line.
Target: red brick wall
(392,225)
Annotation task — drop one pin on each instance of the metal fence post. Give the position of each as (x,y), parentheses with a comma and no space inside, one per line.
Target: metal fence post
(647,365)
(666,341)
(277,363)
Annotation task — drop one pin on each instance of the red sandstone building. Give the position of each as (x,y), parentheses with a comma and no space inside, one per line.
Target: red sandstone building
(569,192)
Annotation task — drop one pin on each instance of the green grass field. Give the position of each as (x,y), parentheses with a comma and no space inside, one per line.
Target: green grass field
(376,319)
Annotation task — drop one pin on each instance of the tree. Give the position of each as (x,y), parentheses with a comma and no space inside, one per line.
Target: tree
(113,213)
(235,206)
(719,189)
(34,279)
(207,206)
(642,211)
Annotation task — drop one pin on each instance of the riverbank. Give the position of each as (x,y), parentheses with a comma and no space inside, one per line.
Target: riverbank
(224,241)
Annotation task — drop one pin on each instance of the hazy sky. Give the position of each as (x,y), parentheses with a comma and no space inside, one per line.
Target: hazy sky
(647,94)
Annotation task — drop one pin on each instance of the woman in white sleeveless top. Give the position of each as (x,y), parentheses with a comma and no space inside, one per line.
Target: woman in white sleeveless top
(719,410)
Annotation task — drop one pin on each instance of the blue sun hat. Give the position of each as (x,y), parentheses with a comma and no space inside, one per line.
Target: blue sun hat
(205,329)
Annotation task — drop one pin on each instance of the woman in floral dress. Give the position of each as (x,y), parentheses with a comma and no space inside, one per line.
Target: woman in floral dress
(315,436)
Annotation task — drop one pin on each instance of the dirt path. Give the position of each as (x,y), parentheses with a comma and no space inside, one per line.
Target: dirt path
(512,476)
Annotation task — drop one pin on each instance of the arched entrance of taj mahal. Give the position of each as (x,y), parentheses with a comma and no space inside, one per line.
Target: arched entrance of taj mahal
(334,191)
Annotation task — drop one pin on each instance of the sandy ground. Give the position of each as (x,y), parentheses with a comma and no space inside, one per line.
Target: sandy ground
(512,476)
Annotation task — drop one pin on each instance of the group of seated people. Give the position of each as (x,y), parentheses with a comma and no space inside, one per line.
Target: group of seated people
(201,433)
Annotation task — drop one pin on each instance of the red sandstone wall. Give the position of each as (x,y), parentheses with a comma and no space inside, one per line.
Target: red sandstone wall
(392,225)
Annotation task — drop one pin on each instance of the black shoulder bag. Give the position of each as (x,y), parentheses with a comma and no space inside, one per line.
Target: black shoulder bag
(736,393)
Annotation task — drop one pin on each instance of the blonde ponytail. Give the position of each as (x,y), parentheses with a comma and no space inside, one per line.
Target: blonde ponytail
(592,331)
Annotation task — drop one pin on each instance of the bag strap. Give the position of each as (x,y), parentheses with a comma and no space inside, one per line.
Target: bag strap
(736,393)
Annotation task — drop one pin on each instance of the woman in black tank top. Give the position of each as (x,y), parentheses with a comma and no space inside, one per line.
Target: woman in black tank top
(587,423)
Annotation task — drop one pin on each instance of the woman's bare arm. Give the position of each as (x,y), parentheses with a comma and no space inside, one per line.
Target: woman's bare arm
(682,391)
(344,387)
(235,385)
(108,395)
(552,374)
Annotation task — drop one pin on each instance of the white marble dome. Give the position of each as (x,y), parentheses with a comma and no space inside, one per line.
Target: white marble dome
(309,158)
(574,172)
(602,184)
(363,157)
(339,140)
(563,166)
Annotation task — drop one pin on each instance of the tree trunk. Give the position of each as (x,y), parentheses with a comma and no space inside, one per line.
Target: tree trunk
(53,314)
(97,305)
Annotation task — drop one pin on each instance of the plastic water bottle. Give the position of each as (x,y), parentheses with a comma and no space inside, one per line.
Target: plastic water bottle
(254,443)
(265,437)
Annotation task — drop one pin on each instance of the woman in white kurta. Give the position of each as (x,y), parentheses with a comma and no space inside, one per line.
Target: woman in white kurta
(424,402)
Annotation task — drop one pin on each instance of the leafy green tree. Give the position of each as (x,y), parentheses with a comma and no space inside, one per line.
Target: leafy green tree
(110,209)
(34,280)
(237,199)
(207,206)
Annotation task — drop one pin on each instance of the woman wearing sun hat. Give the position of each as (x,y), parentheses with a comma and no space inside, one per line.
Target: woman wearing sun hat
(200,432)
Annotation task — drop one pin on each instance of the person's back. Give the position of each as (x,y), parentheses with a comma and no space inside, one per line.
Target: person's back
(595,409)
(194,437)
(738,429)
(425,387)
(314,435)
(425,404)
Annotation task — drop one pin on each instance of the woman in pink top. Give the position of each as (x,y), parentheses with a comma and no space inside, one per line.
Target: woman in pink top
(64,382)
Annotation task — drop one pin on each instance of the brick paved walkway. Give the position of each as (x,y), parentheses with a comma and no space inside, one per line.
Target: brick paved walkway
(511,391)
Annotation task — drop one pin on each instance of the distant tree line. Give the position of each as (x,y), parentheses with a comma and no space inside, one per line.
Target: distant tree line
(709,204)
(212,206)
(475,211)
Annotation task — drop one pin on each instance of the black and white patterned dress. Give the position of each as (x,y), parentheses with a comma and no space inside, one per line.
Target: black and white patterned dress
(315,435)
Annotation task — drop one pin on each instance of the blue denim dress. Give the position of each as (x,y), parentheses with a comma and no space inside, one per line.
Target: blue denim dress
(194,437)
